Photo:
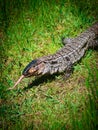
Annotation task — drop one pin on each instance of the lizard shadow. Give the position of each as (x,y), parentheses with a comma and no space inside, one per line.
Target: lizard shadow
(41,80)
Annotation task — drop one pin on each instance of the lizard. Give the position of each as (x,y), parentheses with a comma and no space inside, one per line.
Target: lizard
(63,60)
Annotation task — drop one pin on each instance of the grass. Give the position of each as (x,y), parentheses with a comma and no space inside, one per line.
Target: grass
(31,29)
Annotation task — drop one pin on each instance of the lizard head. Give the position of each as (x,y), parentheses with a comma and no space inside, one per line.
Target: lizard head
(34,68)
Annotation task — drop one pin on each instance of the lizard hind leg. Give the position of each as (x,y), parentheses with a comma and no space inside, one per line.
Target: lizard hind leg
(66,40)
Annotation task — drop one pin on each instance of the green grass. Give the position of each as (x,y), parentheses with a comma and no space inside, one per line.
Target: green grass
(30,29)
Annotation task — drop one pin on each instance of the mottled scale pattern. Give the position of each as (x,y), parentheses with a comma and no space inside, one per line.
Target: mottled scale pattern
(73,50)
